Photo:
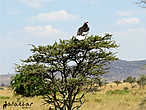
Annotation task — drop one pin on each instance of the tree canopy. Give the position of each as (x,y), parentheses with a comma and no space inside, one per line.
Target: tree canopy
(62,70)
(142,81)
(130,80)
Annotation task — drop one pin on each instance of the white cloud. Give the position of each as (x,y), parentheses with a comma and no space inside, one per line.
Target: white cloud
(35,3)
(60,15)
(41,31)
(40,34)
(125,13)
(133,20)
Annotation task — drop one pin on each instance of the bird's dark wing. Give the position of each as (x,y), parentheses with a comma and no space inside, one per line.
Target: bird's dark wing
(86,29)
(79,31)
(82,29)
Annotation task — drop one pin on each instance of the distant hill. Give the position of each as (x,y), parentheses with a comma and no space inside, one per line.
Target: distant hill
(119,70)
(5,79)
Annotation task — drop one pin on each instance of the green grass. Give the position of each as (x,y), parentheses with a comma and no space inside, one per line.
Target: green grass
(112,92)
(4,97)
(1,88)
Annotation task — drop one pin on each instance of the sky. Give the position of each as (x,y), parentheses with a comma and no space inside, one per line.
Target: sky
(42,22)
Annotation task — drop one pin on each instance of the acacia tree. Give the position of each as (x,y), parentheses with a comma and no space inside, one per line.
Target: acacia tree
(142,81)
(65,68)
(130,80)
(117,82)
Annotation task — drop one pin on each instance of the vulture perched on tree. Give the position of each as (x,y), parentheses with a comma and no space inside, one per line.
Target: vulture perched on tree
(83,31)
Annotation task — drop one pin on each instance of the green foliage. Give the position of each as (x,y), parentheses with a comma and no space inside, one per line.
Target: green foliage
(142,81)
(117,82)
(95,83)
(4,97)
(122,92)
(130,80)
(61,71)
(1,88)
(30,81)
(125,88)
(98,82)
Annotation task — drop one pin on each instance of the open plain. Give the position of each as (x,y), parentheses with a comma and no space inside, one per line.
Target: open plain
(109,97)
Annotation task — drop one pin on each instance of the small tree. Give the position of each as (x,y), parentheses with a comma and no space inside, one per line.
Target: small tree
(62,70)
(130,80)
(95,83)
(142,81)
(102,82)
(117,82)
(30,81)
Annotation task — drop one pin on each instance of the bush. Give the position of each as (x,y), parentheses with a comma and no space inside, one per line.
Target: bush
(117,82)
(1,88)
(142,81)
(29,83)
(130,80)
(122,92)
(125,88)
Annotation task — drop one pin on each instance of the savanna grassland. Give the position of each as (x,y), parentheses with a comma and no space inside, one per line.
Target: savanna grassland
(109,97)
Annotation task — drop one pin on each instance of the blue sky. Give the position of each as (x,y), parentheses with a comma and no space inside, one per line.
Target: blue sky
(42,22)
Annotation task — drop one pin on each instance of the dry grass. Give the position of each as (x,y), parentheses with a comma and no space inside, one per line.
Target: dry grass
(7,95)
(94,101)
